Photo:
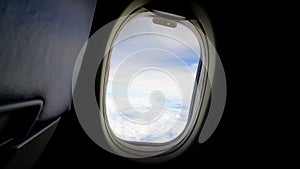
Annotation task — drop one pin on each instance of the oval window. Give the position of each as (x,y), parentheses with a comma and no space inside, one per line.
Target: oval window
(152,74)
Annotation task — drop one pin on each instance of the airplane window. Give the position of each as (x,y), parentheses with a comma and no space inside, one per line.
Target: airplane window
(151,78)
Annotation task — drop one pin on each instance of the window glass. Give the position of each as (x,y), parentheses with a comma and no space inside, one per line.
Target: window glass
(151,78)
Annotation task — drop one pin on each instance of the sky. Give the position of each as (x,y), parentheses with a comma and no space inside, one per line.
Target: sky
(151,79)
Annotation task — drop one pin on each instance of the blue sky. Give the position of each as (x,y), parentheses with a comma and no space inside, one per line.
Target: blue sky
(151,81)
